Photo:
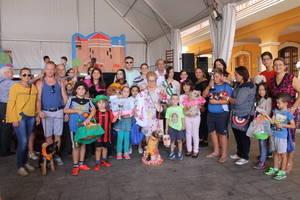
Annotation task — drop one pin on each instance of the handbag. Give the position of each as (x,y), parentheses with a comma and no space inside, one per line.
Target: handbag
(240,123)
(290,143)
(136,135)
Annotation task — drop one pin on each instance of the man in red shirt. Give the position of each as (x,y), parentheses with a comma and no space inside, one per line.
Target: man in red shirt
(267,60)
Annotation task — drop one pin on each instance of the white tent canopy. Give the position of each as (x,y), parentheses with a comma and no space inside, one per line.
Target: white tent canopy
(34,28)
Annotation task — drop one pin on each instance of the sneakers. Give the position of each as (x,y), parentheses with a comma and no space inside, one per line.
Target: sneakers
(259,165)
(119,156)
(130,150)
(280,175)
(180,156)
(241,161)
(32,156)
(22,171)
(97,167)
(127,156)
(105,163)
(235,157)
(84,167)
(75,171)
(29,167)
(141,150)
(58,160)
(172,156)
(271,171)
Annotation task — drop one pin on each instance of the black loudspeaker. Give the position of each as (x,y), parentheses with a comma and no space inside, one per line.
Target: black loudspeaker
(188,63)
(202,62)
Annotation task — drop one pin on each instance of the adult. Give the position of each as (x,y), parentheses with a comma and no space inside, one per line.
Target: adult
(221,64)
(89,72)
(46,59)
(6,76)
(202,80)
(283,82)
(96,84)
(160,71)
(267,60)
(131,73)
(148,104)
(64,61)
(52,97)
(21,111)
(171,86)
(242,106)
(60,73)
(71,75)
(141,81)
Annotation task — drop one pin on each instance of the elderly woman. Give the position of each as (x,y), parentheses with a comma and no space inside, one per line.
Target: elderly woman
(6,75)
(283,82)
(21,111)
(148,104)
(242,107)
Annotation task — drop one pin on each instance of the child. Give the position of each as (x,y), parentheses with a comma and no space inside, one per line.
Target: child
(104,118)
(282,120)
(218,115)
(175,126)
(264,107)
(151,155)
(134,90)
(122,107)
(76,106)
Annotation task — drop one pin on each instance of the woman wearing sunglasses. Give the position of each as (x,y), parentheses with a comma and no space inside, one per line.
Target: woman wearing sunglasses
(21,111)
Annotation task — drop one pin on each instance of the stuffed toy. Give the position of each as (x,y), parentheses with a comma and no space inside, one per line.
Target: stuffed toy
(151,154)
(192,102)
(218,95)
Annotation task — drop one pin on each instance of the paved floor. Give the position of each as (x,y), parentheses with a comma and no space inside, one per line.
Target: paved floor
(188,179)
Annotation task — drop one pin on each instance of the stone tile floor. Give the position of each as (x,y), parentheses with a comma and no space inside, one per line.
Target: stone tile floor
(188,179)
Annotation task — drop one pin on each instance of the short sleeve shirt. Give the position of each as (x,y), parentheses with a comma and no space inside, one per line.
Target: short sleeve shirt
(219,89)
(83,104)
(175,116)
(282,117)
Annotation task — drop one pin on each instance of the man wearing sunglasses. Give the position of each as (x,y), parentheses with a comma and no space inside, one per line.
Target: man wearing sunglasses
(52,97)
(131,73)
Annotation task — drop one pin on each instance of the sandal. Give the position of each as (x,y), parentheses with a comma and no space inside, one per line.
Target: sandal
(212,155)
(195,155)
(188,153)
(222,160)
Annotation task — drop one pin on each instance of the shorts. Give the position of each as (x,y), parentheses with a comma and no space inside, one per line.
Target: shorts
(176,134)
(278,145)
(53,123)
(102,144)
(218,122)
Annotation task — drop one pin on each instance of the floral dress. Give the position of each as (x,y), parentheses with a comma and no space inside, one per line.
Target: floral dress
(146,107)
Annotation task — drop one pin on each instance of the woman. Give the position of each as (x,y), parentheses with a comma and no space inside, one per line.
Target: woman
(242,107)
(220,64)
(148,104)
(171,86)
(183,76)
(202,80)
(285,83)
(89,72)
(71,75)
(95,84)
(141,81)
(21,111)
(120,82)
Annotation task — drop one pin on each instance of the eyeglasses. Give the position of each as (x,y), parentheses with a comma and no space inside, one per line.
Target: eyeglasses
(29,75)
(129,62)
(53,89)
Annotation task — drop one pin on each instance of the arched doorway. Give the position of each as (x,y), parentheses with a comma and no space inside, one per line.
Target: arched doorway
(290,55)
(243,58)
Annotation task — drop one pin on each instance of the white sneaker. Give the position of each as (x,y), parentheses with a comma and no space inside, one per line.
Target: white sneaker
(234,157)
(130,150)
(241,161)
(58,160)
(29,167)
(141,150)
(32,156)
(22,171)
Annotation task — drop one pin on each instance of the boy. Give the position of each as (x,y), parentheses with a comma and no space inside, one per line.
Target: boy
(282,120)
(175,126)
(104,118)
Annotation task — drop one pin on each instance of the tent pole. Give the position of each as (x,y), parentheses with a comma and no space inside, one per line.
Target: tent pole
(77,13)
(130,8)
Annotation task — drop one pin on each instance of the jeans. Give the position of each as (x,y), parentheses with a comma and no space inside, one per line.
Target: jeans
(23,131)
(5,132)
(263,150)
(242,143)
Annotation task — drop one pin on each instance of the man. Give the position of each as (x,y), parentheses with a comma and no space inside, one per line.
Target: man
(46,60)
(60,72)
(6,76)
(64,61)
(130,73)
(161,71)
(267,60)
(51,100)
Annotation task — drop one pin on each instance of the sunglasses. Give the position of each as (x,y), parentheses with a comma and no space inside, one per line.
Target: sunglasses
(53,89)
(29,75)
(129,62)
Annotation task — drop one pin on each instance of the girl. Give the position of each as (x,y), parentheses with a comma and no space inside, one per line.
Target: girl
(183,76)
(95,84)
(120,82)
(78,105)
(134,90)
(122,107)
(264,107)
(186,87)
(71,75)
(171,86)
(218,115)
(89,72)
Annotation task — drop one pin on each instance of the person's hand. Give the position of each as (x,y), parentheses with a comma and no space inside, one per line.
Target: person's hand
(211,83)
(42,115)
(292,110)
(263,113)
(37,120)
(15,124)
(160,108)
(86,122)
(213,101)
(279,125)
(66,118)
(79,111)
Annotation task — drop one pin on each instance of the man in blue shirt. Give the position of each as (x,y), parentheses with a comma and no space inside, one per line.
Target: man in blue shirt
(131,73)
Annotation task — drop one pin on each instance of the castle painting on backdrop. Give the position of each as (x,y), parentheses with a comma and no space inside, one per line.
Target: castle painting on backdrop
(109,51)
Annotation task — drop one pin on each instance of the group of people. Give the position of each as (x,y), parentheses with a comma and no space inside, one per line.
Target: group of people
(185,110)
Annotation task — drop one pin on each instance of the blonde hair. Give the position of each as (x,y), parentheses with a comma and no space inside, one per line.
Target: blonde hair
(4,69)
(151,74)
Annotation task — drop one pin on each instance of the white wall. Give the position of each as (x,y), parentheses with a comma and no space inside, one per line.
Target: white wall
(157,49)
